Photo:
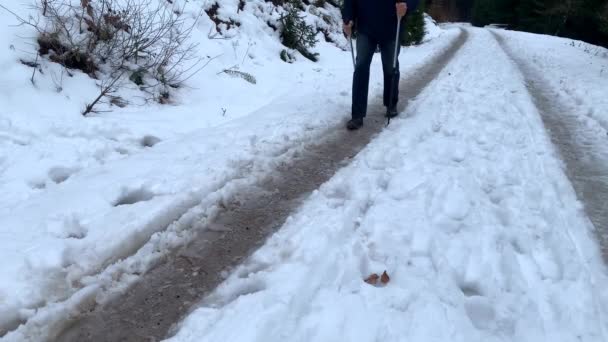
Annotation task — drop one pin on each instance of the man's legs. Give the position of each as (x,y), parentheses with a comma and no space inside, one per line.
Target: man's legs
(365,52)
(387,50)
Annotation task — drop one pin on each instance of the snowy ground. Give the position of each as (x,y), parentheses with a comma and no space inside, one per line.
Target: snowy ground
(78,195)
(577,71)
(463,201)
(569,81)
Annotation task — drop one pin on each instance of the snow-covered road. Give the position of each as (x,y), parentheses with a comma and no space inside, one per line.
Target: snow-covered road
(81,261)
(463,201)
(578,129)
(164,295)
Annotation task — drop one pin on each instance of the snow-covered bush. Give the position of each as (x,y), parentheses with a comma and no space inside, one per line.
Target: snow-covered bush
(286,56)
(296,33)
(109,39)
(413,33)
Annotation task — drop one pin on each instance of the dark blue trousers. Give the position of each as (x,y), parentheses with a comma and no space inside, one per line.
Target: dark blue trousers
(366,46)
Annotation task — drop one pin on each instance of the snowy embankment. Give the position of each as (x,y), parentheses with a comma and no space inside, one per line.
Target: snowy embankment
(77,195)
(462,201)
(577,72)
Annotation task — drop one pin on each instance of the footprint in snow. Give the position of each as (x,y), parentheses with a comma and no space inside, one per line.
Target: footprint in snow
(67,227)
(133,196)
(149,141)
(450,206)
(60,174)
(480,311)
(122,150)
(37,184)
(470,289)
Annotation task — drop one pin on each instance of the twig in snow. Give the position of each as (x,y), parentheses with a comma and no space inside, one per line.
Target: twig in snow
(34,72)
(200,68)
(211,35)
(23,21)
(246,53)
(105,90)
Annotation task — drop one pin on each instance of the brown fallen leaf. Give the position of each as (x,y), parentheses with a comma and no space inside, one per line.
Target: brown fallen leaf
(372,279)
(384,278)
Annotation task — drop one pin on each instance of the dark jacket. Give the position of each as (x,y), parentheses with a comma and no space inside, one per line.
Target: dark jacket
(377,18)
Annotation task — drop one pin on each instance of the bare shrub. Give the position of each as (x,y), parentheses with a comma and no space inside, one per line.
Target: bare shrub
(108,39)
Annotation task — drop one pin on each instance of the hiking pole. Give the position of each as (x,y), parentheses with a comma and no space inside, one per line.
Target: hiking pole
(352,50)
(395,75)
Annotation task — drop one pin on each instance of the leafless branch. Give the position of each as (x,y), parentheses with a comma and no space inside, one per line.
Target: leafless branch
(21,20)
(34,72)
(106,89)
(119,38)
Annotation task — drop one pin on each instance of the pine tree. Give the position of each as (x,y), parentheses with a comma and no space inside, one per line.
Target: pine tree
(603,19)
(413,33)
(296,33)
(531,16)
(483,12)
(493,12)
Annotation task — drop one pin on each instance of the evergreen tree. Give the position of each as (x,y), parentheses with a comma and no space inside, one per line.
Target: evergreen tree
(530,16)
(413,32)
(603,19)
(493,12)
(483,13)
(296,33)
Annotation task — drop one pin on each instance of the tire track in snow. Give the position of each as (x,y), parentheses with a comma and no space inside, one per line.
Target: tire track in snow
(150,308)
(586,166)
